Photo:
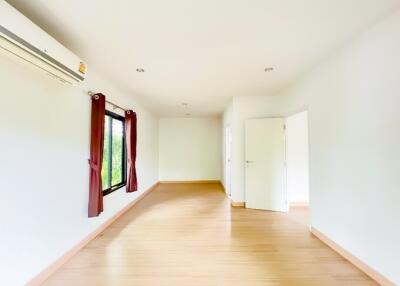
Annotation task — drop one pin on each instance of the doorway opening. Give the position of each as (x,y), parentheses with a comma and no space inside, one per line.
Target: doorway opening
(297,166)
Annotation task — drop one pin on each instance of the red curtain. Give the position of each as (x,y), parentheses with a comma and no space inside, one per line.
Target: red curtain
(131,141)
(96,154)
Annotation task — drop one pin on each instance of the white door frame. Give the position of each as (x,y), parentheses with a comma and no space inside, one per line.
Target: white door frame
(228,160)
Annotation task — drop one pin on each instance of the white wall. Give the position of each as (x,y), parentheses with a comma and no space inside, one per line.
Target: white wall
(297,158)
(353,100)
(44,148)
(190,149)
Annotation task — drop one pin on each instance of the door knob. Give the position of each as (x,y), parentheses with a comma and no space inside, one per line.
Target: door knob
(247,162)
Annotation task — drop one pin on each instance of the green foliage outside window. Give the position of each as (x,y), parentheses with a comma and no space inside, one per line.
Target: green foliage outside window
(106,152)
(117,152)
(113,153)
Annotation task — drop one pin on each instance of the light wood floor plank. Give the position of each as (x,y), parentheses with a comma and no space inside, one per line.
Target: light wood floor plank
(188,234)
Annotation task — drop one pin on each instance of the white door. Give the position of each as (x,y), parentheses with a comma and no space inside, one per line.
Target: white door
(228,146)
(265,164)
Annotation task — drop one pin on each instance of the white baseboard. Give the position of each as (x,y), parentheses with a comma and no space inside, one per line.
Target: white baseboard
(374,274)
(192,182)
(299,204)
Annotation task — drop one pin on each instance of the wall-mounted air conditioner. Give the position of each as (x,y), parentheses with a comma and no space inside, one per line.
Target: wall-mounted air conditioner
(21,38)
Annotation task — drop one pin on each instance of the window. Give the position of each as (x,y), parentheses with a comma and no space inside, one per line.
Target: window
(113,172)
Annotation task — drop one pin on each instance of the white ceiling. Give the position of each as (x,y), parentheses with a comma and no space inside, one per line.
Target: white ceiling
(203,52)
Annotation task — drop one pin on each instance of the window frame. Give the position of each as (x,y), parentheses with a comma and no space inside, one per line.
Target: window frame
(111,189)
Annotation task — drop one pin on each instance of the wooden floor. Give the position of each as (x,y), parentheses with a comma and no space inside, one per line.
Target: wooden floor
(187,234)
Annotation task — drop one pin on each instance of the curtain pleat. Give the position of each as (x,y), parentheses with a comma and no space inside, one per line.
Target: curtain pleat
(96,154)
(131,141)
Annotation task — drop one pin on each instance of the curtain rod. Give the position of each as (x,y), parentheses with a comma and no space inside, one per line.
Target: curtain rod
(91,93)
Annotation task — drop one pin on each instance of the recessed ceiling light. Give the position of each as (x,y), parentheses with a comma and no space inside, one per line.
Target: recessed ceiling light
(268,69)
(140,70)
